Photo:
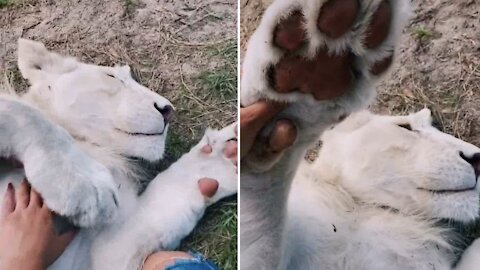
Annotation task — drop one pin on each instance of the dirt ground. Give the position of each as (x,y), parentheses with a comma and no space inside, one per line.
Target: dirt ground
(437,65)
(186,50)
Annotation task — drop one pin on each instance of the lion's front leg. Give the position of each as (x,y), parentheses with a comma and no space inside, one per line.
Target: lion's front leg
(323,59)
(172,204)
(471,257)
(72,184)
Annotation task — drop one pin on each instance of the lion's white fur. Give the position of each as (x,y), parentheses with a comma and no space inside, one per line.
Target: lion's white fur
(373,199)
(367,198)
(75,130)
(351,209)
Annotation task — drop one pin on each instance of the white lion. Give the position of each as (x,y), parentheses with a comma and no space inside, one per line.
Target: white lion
(75,130)
(374,197)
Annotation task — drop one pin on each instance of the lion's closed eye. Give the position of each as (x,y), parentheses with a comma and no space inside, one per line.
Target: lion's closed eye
(405,126)
(112,76)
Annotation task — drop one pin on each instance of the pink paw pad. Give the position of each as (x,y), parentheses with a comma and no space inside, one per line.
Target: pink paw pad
(208,186)
(207,149)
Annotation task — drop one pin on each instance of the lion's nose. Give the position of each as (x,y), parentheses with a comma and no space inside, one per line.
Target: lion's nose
(474,160)
(166,111)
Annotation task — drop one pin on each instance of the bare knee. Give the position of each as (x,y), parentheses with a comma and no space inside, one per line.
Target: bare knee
(160,260)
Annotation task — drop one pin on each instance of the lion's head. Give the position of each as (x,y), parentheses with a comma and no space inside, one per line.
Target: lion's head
(103,105)
(403,162)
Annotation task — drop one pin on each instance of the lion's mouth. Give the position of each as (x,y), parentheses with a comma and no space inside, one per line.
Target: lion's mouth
(140,133)
(448,191)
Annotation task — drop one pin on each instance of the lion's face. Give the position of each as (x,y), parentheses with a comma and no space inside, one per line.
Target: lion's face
(103,105)
(404,163)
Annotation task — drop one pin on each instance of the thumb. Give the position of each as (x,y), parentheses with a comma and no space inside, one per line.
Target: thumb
(252,119)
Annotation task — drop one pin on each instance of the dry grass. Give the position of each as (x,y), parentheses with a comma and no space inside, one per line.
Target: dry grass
(439,68)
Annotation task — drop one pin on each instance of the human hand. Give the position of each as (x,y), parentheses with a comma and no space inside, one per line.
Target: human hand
(27,237)
(254,117)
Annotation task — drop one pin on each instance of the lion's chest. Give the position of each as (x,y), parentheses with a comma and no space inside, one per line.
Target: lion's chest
(127,197)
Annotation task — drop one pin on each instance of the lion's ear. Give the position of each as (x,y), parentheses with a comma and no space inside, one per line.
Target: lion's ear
(422,117)
(37,63)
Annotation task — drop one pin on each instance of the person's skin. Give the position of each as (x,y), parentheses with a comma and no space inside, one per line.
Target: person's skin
(254,117)
(27,237)
(160,260)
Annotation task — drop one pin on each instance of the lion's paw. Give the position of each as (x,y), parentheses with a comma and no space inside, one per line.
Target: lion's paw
(76,187)
(311,50)
(322,58)
(217,154)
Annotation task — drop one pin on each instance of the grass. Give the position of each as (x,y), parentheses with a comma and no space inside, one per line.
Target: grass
(222,81)
(228,51)
(212,17)
(4,3)
(129,3)
(12,3)
(422,33)
(177,144)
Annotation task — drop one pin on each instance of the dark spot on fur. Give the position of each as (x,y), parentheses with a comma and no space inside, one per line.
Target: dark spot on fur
(334,228)
(342,117)
(115,199)
(271,76)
